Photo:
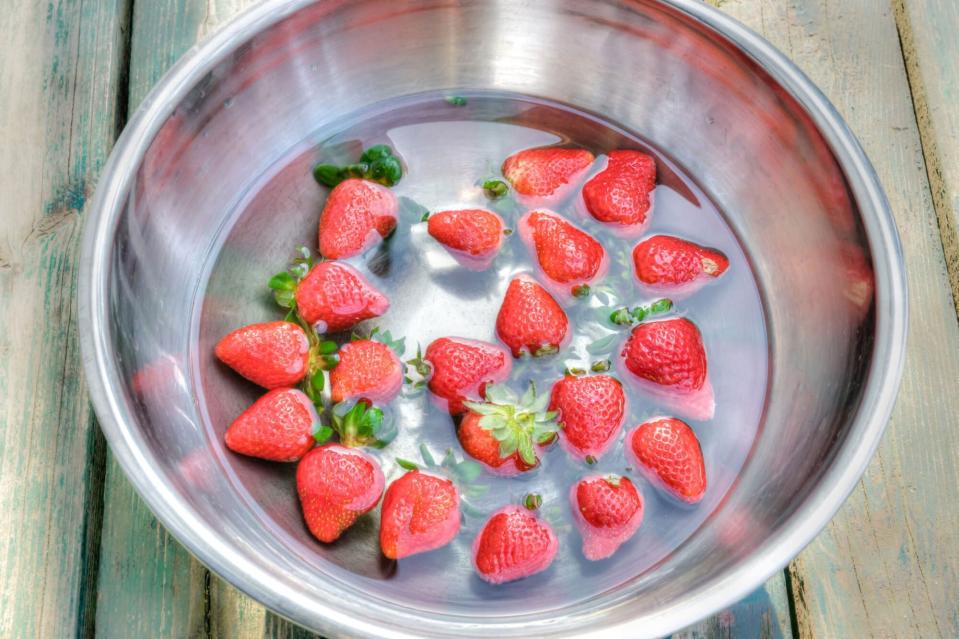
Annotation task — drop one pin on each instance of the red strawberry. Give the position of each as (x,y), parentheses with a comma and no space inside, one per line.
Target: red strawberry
(607,510)
(540,172)
(368,370)
(620,194)
(420,512)
(668,357)
(530,320)
(566,254)
(357,214)
(590,410)
(514,543)
(271,354)
(334,297)
(336,485)
(278,426)
(462,368)
(668,452)
(472,236)
(480,444)
(664,261)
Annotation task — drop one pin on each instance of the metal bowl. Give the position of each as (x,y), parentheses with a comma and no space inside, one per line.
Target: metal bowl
(758,136)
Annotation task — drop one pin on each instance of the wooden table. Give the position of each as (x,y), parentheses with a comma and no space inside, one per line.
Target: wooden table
(80,555)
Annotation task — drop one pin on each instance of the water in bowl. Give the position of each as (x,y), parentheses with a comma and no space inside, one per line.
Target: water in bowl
(448,150)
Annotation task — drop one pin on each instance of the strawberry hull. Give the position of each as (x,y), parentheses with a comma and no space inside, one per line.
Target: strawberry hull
(601,542)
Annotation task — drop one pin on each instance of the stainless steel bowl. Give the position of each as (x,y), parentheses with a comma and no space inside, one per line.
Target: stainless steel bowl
(748,124)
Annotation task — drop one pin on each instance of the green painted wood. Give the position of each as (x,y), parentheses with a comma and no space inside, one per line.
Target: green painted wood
(887,565)
(60,68)
(928,31)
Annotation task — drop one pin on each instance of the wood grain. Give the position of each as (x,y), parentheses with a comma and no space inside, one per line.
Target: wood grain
(887,565)
(60,68)
(928,31)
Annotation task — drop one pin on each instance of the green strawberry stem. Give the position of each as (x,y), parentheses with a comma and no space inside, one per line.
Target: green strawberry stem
(495,188)
(456,100)
(519,424)
(533,501)
(626,316)
(362,424)
(377,164)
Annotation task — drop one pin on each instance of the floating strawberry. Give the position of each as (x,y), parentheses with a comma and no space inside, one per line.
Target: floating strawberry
(368,370)
(668,355)
(621,194)
(542,171)
(667,451)
(514,543)
(530,320)
(461,369)
(506,432)
(420,513)
(334,297)
(472,236)
(279,426)
(568,256)
(607,510)
(663,261)
(357,215)
(271,354)
(336,485)
(590,411)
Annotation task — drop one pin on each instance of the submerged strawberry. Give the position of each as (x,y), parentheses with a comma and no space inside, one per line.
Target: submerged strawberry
(336,485)
(334,297)
(271,354)
(357,215)
(542,171)
(461,369)
(664,261)
(420,513)
(669,357)
(621,194)
(368,370)
(506,432)
(567,255)
(607,510)
(530,320)
(514,543)
(472,236)
(279,426)
(590,411)
(666,449)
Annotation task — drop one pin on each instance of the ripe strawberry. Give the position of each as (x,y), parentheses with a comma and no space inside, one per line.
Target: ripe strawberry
(506,432)
(279,426)
(472,236)
(668,452)
(334,297)
(621,193)
(567,255)
(530,320)
(664,261)
(421,512)
(367,370)
(542,171)
(590,410)
(667,357)
(608,511)
(462,368)
(271,354)
(336,485)
(514,543)
(357,214)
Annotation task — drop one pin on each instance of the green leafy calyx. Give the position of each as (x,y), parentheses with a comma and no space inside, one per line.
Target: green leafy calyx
(519,424)
(377,164)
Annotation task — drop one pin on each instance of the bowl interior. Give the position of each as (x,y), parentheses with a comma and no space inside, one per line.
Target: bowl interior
(219,198)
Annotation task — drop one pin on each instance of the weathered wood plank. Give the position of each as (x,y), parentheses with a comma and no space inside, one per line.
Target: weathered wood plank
(765,614)
(928,31)
(60,68)
(887,565)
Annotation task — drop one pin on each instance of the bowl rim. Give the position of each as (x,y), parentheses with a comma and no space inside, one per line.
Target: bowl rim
(224,559)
